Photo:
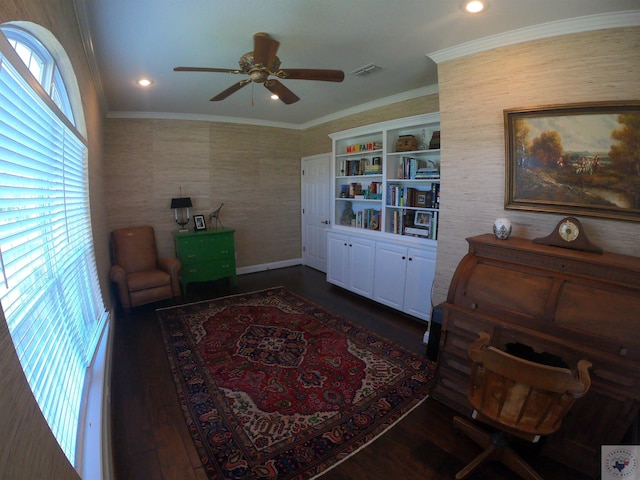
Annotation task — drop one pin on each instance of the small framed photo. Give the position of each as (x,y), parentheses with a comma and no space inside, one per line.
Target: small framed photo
(422,219)
(421,199)
(199,223)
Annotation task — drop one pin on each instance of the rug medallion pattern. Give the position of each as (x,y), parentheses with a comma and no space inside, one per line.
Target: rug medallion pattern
(273,386)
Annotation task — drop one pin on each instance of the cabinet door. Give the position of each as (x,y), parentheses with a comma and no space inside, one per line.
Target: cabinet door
(421,268)
(389,278)
(361,258)
(337,259)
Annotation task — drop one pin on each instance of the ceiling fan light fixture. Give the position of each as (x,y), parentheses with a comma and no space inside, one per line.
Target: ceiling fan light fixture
(144,82)
(274,97)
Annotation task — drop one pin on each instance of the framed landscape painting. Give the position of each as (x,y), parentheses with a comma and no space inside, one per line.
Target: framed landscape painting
(581,159)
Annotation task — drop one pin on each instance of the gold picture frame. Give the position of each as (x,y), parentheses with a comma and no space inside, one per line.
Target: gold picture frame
(574,159)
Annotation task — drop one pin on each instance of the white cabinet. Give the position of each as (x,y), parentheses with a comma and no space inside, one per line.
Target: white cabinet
(350,263)
(421,270)
(403,278)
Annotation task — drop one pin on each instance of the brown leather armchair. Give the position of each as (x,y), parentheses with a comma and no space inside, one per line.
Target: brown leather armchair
(141,277)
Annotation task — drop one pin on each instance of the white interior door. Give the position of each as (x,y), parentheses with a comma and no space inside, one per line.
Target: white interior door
(316,208)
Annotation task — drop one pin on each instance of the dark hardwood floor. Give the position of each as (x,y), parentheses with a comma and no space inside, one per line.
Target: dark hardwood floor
(151,441)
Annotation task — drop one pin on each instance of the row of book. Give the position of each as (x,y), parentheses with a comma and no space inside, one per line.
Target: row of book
(369,218)
(410,168)
(403,196)
(355,190)
(360,167)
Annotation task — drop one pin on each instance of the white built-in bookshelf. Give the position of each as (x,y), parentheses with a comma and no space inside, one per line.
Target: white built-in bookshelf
(385,211)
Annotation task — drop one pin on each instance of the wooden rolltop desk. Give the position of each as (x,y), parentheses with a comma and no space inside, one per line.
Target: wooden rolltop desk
(567,303)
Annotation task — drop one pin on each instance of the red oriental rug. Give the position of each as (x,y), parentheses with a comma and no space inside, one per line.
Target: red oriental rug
(273,386)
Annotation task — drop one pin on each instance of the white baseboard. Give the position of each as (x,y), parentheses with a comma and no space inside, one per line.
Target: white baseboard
(269,266)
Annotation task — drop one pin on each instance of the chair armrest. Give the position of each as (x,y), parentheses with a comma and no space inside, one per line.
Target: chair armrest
(118,275)
(583,377)
(172,266)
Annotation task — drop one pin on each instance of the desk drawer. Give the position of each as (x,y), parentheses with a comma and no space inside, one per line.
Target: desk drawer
(194,257)
(206,271)
(196,249)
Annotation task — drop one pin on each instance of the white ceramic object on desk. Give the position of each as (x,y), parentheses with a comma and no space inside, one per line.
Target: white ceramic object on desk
(502,228)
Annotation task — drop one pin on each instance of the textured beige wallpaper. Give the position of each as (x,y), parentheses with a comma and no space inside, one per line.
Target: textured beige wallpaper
(474,90)
(253,170)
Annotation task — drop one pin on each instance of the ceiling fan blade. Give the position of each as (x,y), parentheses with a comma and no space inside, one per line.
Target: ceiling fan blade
(286,95)
(205,69)
(311,74)
(232,89)
(264,49)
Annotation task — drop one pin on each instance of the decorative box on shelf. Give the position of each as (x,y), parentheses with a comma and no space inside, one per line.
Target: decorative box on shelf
(406,143)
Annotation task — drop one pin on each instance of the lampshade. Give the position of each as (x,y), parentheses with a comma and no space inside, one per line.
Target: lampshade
(181,202)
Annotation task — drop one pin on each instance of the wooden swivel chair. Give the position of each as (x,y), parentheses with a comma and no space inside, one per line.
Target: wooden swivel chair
(140,275)
(519,398)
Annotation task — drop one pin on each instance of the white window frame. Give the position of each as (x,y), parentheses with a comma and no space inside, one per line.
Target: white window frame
(56,66)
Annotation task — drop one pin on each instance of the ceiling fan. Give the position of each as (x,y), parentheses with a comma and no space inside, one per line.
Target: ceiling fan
(262,63)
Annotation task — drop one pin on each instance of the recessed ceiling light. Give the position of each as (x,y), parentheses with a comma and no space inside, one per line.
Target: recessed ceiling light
(144,82)
(475,6)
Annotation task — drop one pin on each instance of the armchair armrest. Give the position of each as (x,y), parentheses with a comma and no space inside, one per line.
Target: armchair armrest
(172,266)
(118,275)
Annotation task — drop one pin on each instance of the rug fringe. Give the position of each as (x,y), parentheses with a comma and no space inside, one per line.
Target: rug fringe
(377,437)
(219,298)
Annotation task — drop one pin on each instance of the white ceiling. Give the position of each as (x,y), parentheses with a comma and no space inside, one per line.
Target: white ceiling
(147,38)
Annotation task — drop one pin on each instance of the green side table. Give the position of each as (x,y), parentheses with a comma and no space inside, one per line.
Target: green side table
(206,256)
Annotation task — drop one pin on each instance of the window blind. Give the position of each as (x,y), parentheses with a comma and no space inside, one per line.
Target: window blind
(49,287)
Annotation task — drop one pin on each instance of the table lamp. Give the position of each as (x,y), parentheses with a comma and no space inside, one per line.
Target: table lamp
(181,203)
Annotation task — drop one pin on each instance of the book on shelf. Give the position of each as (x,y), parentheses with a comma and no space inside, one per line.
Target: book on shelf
(434,143)
(435,196)
(373,169)
(368,218)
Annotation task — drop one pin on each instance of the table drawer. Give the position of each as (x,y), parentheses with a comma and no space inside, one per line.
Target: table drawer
(199,249)
(206,271)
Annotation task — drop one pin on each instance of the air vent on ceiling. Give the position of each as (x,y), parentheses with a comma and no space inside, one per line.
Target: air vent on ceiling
(366,70)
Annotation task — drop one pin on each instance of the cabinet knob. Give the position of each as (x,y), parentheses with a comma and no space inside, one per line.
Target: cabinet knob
(326,222)
(624,351)
(410,258)
(473,306)
(403,257)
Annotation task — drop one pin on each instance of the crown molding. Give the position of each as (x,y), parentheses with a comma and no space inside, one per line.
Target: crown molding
(587,23)
(382,102)
(82,20)
(201,118)
(420,92)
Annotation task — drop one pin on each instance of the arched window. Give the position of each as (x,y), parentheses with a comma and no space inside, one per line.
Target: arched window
(49,290)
